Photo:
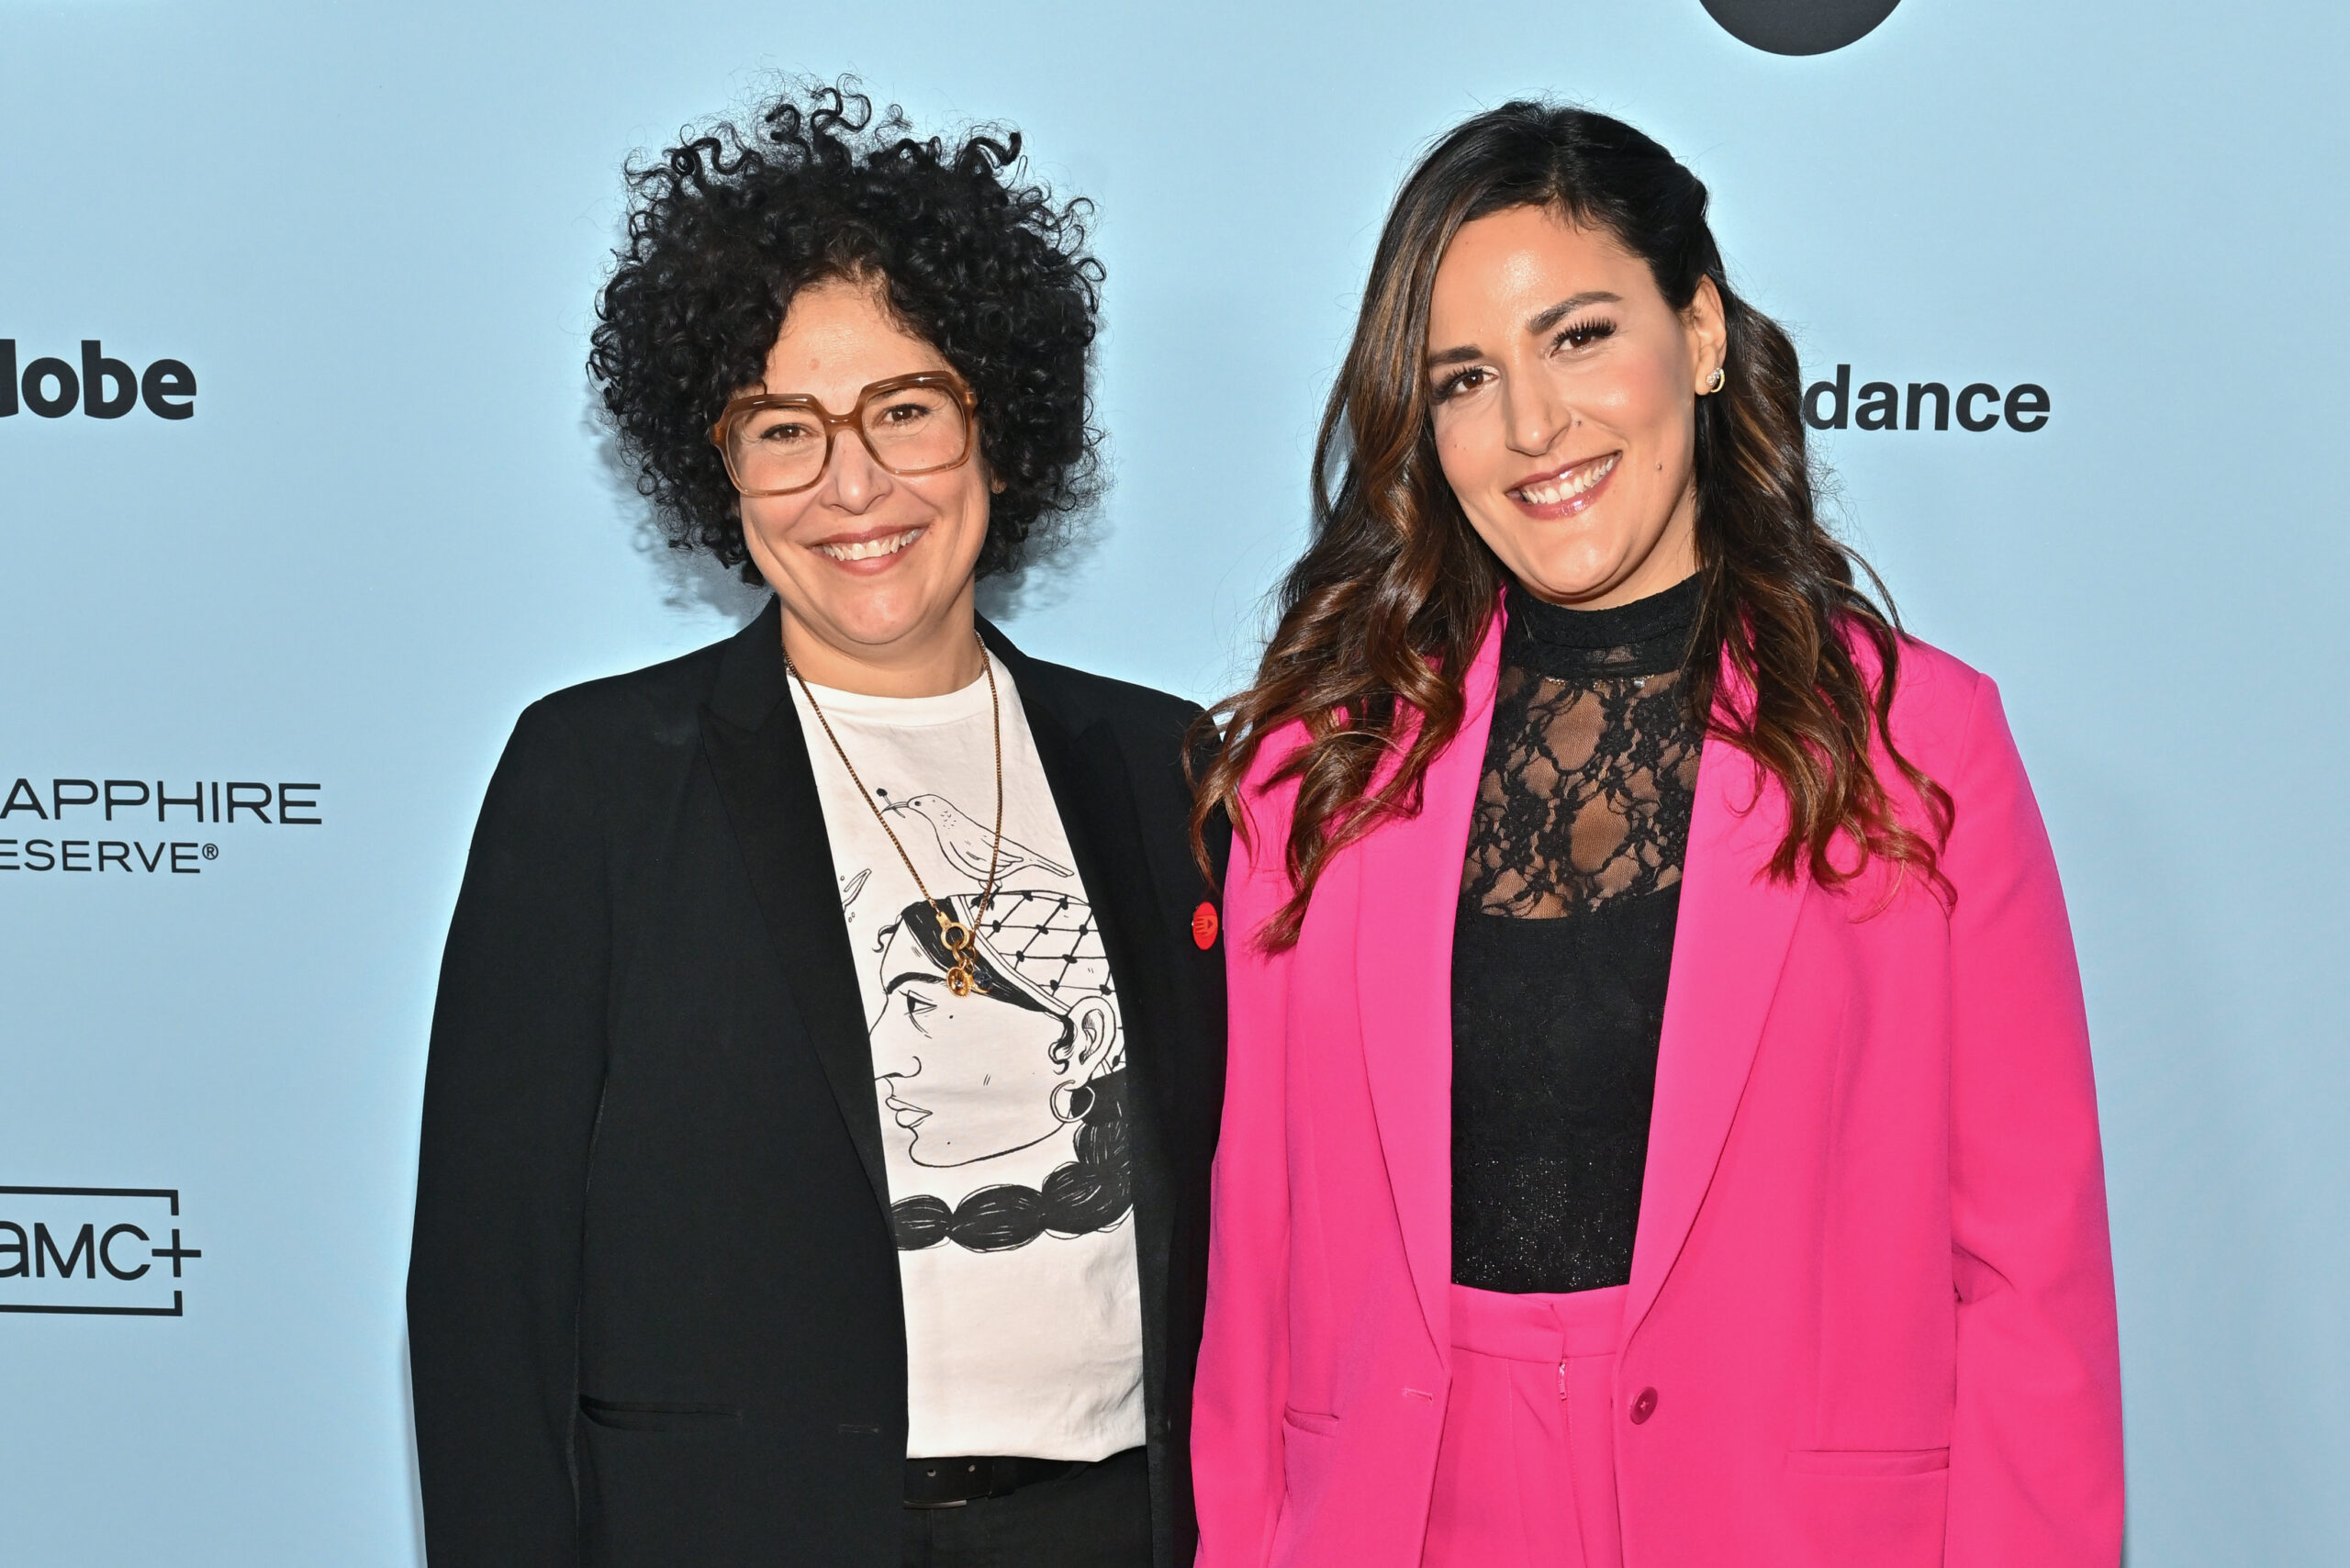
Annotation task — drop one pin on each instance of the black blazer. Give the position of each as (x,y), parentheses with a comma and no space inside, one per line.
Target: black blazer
(654,1313)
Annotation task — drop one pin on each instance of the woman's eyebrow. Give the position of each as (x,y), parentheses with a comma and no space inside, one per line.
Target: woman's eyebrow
(894,981)
(1536,325)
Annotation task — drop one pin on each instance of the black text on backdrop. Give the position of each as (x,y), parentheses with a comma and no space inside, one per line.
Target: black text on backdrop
(104,388)
(1887,406)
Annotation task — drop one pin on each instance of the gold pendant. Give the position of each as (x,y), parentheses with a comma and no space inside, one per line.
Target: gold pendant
(956,937)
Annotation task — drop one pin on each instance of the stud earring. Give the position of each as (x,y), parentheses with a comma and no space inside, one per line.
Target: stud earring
(1713,382)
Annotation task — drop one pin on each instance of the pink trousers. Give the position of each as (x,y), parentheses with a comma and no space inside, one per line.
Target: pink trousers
(1525,1473)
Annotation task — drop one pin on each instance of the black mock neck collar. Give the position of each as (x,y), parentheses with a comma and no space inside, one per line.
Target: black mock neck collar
(1646,636)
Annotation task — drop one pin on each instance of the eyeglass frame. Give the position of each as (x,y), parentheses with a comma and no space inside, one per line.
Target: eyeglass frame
(855,419)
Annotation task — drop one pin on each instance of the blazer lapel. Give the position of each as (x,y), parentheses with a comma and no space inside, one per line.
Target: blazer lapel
(1411,888)
(1729,945)
(751,736)
(1095,798)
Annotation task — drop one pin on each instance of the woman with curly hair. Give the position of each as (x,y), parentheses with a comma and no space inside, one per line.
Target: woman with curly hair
(825,1071)
(1660,1128)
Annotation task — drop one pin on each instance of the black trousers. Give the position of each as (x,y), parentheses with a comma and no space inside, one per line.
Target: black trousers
(1095,1516)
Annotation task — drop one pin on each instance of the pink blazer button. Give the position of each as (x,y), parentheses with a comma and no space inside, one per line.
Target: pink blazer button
(1643,1406)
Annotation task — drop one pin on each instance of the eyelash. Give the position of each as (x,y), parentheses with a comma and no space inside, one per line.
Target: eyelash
(1575,334)
(1584,333)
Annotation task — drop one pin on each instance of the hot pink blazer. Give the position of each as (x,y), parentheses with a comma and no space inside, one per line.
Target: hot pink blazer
(1871,1291)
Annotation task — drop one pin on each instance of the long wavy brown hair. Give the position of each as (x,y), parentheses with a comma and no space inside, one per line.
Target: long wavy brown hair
(1384,612)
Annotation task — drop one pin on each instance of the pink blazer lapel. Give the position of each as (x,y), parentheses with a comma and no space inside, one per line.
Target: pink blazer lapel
(1731,939)
(1411,886)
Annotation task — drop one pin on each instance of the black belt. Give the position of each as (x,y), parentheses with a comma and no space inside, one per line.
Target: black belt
(951,1483)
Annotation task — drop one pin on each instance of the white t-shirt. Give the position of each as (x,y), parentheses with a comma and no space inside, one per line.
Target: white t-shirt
(1003,1113)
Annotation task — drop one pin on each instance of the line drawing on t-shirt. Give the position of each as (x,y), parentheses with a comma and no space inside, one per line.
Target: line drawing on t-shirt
(967,845)
(1035,1051)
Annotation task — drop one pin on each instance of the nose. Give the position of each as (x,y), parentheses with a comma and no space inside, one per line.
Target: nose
(853,481)
(894,1054)
(1533,415)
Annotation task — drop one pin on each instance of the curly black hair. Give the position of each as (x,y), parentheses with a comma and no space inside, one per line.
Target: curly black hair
(729,225)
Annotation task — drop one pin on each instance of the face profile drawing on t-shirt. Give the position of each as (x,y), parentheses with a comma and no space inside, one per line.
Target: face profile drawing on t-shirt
(1001,1112)
(1034,1053)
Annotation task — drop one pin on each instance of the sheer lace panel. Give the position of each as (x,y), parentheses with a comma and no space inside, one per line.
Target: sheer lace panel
(1563,947)
(1587,790)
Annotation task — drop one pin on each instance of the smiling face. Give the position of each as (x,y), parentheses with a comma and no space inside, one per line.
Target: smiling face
(972,1077)
(1562,392)
(874,569)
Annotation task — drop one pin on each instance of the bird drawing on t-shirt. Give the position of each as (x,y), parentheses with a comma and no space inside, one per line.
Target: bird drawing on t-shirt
(966,843)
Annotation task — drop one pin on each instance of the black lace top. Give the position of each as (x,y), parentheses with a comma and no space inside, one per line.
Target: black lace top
(1564,940)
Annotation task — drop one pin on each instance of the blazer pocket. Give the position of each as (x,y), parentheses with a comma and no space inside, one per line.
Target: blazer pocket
(636,1415)
(1868,1464)
(1313,1423)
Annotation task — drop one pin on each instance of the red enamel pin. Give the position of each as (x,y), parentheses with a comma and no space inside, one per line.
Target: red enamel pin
(1203,926)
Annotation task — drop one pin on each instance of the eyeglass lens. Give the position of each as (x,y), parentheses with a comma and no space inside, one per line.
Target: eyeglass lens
(909,431)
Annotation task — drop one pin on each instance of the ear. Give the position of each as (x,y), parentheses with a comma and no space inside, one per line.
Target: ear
(1097,1035)
(1705,324)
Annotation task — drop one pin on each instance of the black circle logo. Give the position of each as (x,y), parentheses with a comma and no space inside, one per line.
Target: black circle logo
(1799,27)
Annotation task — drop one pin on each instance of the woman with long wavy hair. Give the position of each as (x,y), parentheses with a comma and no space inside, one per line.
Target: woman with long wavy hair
(1660,1127)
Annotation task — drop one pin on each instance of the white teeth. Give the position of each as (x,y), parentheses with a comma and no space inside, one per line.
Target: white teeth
(868,549)
(1552,492)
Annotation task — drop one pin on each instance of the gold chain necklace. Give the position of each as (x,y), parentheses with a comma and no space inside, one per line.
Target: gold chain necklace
(952,933)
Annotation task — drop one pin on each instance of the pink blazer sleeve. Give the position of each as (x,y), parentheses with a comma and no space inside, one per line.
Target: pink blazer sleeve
(1244,1356)
(2035,1455)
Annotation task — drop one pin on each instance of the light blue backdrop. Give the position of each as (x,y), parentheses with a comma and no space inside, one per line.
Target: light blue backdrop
(373,233)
